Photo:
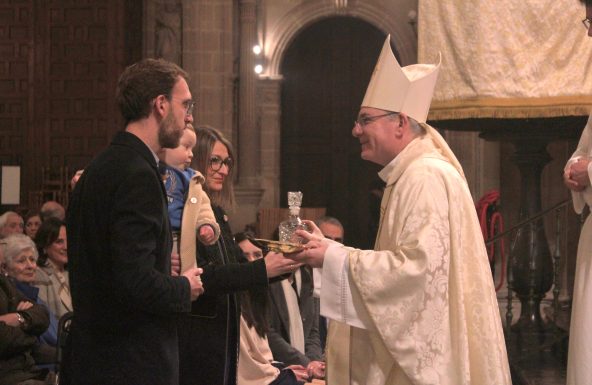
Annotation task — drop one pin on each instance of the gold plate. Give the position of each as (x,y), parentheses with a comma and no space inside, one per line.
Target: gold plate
(278,247)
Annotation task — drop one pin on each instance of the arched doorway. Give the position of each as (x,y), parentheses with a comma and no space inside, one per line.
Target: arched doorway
(326,70)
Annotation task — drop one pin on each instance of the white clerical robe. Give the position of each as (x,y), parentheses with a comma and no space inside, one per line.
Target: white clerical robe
(421,308)
(579,359)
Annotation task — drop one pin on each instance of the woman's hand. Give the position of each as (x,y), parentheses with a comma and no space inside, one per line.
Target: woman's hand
(277,264)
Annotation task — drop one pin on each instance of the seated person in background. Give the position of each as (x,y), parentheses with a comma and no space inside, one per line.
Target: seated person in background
(52,209)
(32,224)
(21,323)
(52,276)
(11,223)
(294,322)
(20,264)
(183,187)
(255,364)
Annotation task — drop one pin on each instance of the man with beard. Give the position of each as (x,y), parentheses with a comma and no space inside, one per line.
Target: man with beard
(125,299)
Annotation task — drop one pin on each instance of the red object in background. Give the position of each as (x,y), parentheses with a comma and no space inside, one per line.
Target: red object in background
(492,223)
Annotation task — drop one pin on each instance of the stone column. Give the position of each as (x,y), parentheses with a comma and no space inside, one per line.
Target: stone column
(269,100)
(248,138)
(248,190)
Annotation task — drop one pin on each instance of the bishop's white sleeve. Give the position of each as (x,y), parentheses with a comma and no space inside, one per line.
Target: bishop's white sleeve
(339,300)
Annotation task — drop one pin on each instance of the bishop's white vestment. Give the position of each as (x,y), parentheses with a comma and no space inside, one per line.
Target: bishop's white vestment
(420,308)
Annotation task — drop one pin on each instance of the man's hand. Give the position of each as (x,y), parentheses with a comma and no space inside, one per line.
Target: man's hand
(75,178)
(578,174)
(194,281)
(207,235)
(175,264)
(277,264)
(570,183)
(314,229)
(316,369)
(314,251)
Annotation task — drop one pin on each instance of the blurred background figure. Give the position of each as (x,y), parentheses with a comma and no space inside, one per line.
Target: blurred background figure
(11,223)
(257,364)
(32,223)
(20,265)
(52,209)
(21,323)
(331,228)
(52,277)
(294,322)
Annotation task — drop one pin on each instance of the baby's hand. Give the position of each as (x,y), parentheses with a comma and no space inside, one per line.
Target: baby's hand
(207,235)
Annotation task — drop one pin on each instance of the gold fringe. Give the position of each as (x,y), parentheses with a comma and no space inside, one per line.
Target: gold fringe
(510,108)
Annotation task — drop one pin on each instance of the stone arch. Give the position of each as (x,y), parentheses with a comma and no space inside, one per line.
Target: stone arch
(311,12)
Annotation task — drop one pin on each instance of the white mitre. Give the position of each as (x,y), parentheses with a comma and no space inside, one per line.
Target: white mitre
(408,89)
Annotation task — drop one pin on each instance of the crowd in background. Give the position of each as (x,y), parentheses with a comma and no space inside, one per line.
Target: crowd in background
(34,293)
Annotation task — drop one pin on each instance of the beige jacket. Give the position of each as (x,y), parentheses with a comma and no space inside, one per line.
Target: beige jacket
(196,213)
(54,289)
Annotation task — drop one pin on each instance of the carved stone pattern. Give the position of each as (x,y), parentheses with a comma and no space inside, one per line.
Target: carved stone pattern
(168,31)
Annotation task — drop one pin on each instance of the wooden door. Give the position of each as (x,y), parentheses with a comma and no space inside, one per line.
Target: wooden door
(326,71)
(59,65)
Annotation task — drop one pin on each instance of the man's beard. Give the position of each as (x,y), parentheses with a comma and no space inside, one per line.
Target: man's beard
(168,137)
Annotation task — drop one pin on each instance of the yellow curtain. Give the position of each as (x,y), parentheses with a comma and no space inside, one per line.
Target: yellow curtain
(507,58)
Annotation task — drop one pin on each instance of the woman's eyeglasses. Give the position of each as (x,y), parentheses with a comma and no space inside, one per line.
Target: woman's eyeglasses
(216,163)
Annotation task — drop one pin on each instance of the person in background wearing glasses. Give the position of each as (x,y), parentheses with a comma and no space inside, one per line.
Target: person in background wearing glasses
(577,177)
(209,336)
(421,307)
(125,300)
(183,187)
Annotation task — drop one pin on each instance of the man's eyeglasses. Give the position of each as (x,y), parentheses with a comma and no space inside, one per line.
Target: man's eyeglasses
(216,163)
(587,22)
(364,120)
(189,104)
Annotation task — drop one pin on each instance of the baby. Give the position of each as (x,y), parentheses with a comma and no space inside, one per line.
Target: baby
(188,205)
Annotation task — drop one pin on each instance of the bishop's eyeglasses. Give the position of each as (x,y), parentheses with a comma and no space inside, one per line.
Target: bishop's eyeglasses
(364,120)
